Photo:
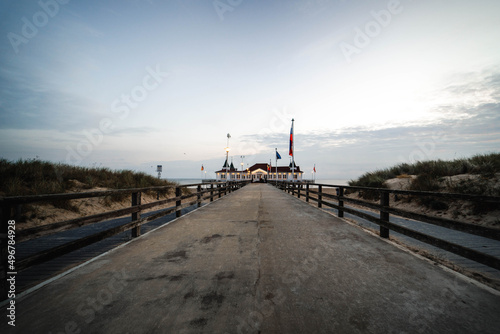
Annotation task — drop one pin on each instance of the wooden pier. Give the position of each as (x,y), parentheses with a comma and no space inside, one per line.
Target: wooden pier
(258,261)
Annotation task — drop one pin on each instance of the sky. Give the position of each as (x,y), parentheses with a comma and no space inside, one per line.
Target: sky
(133,84)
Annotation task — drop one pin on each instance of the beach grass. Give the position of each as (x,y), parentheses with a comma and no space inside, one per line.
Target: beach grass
(36,177)
(429,174)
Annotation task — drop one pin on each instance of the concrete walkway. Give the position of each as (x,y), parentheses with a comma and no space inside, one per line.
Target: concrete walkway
(255,261)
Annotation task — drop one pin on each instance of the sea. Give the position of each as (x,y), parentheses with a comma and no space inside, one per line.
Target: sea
(184,181)
(336,182)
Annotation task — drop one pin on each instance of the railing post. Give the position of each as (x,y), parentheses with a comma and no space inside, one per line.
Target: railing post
(299,186)
(320,196)
(178,192)
(225,188)
(293,189)
(6,215)
(307,192)
(341,202)
(136,200)
(219,190)
(211,192)
(198,195)
(384,201)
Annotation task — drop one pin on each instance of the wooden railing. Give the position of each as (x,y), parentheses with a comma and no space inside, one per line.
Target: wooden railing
(11,210)
(315,192)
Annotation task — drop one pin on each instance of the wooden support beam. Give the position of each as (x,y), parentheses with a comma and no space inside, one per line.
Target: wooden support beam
(198,195)
(178,192)
(320,196)
(341,202)
(384,216)
(136,201)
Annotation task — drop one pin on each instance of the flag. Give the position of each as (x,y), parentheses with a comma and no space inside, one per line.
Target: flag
(290,151)
(314,169)
(278,156)
(268,168)
(202,168)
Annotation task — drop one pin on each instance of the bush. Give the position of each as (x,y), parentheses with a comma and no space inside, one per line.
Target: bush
(35,177)
(425,182)
(66,205)
(486,165)
(371,180)
(434,204)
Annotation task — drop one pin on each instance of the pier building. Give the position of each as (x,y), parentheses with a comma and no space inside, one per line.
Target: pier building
(259,172)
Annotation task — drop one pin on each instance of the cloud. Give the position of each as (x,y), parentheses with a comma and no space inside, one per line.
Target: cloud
(31,101)
(351,151)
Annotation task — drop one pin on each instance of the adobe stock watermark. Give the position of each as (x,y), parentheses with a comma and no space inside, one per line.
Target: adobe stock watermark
(121,108)
(425,148)
(88,309)
(279,122)
(422,322)
(273,298)
(223,6)
(372,29)
(29,29)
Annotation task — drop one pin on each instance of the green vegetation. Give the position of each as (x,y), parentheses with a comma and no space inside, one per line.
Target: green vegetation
(35,177)
(431,175)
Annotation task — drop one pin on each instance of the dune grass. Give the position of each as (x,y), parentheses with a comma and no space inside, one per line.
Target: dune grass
(429,173)
(35,177)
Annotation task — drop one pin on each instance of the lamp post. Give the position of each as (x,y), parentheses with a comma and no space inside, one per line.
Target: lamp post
(242,158)
(227,157)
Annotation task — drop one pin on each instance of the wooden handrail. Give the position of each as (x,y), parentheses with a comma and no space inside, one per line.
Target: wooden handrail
(475,198)
(10,205)
(12,200)
(385,210)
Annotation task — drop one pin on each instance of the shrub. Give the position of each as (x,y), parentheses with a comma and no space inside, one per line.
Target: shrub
(66,205)
(425,182)
(429,172)
(434,204)
(35,177)
(372,180)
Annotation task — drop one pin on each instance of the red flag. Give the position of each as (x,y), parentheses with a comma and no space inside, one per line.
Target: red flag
(314,169)
(202,168)
(290,151)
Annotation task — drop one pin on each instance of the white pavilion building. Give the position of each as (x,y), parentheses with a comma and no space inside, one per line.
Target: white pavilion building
(260,172)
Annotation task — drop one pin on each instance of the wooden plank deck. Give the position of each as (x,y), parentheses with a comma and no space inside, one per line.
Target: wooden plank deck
(255,261)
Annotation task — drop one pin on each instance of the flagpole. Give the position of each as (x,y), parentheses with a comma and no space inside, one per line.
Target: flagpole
(269,170)
(227,158)
(276,167)
(293,153)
